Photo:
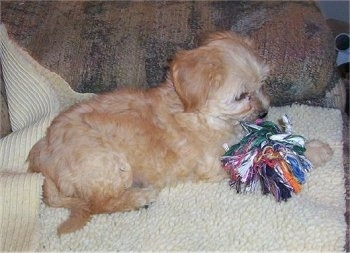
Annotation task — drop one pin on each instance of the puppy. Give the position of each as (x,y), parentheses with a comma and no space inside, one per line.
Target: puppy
(116,151)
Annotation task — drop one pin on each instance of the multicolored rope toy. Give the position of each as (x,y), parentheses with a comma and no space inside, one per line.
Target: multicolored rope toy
(267,159)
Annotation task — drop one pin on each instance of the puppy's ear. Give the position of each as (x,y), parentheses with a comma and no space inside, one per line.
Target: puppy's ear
(195,74)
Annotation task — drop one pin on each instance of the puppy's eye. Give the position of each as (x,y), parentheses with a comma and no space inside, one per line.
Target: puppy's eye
(242,96)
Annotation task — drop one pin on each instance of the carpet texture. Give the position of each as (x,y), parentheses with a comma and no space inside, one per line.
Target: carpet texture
(212,216)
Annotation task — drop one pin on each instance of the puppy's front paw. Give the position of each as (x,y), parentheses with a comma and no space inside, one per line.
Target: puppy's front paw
(318,152)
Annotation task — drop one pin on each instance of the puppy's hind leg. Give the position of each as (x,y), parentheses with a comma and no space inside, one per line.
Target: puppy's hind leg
(80,212)
(126,195)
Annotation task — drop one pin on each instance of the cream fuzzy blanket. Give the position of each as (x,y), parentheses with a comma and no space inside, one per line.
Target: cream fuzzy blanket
(204,216)
(188,217)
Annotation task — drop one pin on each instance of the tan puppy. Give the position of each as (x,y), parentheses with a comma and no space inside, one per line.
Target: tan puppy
(116,151)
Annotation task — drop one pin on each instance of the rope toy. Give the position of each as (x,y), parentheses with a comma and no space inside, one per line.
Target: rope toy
(267,159)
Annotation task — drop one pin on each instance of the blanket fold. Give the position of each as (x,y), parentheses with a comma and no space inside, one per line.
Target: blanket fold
(212,217)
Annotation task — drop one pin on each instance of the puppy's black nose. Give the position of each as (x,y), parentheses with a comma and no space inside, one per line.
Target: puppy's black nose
(262,114)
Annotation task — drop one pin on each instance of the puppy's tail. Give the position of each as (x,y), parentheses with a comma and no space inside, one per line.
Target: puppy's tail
(79,209)
(79,215)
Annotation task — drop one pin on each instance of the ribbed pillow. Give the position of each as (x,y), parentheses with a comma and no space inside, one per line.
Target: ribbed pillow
(20,195)
(35,95)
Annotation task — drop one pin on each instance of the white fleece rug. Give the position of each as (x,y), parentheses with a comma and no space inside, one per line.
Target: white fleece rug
(212,217)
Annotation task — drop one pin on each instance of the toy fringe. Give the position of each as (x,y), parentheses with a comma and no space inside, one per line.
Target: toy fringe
(267,159)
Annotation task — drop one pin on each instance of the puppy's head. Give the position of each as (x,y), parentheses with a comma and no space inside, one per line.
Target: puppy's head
(222,78)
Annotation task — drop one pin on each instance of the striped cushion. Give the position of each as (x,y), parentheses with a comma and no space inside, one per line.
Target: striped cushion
(35,96)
